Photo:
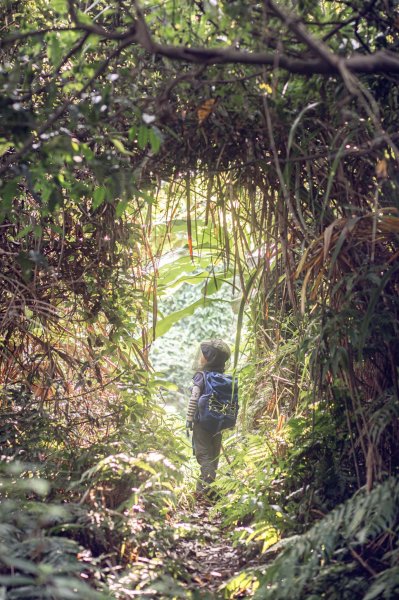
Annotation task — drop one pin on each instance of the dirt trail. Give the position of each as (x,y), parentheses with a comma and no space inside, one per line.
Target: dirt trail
(193,557)
(207,554)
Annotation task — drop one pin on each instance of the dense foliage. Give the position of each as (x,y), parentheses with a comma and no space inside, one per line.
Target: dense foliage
(221,156)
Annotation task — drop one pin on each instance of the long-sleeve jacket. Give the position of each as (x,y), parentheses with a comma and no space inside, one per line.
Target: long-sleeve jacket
(196,391)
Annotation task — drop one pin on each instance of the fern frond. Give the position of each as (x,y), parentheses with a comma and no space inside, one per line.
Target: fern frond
(306,559)
(386,585)
(382,418)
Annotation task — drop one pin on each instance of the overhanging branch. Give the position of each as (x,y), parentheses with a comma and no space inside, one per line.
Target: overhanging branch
(327,63)
(378,63)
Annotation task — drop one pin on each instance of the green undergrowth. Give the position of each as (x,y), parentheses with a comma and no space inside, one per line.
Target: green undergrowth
(79,517)
(340,556)
(291,497)
(331,559)
(106,522)
(81,540)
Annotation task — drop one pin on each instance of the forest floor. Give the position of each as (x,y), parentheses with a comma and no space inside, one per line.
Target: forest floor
(207,556)
(195,557)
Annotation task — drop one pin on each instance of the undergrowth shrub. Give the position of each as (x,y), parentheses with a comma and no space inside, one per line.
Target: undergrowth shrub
(350,553)
(248,486)
(279,480)
(37,559)
(80,512)
(318,469)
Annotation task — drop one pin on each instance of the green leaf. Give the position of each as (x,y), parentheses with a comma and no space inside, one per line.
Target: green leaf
(21,564)
(84,18)
(155,139)
(132,133)
(7,195)
(214,283)
(16,580)
(121,207)
(37,231)
(167,385)
(145,466)
(181,270)
(142,138)
(4,146)
(119,146)
(165,324)
(376,590)
(60,6)
(98,197)
(54,50)
(24,232)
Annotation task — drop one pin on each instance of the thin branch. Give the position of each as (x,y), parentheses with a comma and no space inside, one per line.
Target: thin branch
(378,142)
(97,29)
(23,35)
(368,7)
(286,195)
(191,75)
(317,46)
(364,564)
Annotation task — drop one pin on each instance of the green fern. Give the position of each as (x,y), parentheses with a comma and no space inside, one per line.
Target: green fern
(386,585)
(382,418)
(36,563)
(329,549)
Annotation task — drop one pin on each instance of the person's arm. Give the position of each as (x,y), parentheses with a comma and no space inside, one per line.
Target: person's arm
(193,402)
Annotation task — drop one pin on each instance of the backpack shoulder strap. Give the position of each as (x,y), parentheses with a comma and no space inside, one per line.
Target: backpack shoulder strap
(208,388)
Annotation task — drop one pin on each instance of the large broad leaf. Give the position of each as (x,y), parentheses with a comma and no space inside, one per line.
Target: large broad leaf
(183,270)
(165,324)
(211,286)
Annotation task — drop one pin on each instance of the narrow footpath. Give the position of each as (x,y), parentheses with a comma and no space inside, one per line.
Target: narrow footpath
(207,556)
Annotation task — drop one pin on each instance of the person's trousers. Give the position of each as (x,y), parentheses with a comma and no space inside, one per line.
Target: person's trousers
(207,448)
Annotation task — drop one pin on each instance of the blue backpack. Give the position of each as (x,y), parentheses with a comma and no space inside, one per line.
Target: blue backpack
(218,403)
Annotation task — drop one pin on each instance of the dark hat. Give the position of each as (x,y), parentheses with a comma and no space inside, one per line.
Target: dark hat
(216,352)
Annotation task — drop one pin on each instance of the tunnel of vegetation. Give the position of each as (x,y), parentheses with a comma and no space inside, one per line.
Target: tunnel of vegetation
(207,158)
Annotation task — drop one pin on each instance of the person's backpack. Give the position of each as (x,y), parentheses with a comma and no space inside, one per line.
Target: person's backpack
(218,403)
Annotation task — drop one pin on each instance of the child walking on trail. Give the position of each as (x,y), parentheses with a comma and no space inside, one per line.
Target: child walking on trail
(212,356)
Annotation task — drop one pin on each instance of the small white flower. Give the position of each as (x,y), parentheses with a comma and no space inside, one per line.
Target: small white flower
(148,118)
